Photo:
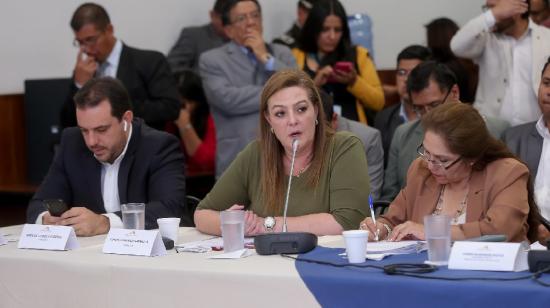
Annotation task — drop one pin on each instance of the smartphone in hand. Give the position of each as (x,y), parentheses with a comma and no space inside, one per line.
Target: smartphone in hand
(56,207)
(343,66)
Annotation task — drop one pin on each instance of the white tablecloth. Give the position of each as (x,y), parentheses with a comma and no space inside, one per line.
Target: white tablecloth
(86,277)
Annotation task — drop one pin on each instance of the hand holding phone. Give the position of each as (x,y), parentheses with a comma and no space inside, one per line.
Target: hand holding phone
(343,66)
(56,207)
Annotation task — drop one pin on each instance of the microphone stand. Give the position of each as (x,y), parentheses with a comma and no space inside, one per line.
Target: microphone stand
(286,242)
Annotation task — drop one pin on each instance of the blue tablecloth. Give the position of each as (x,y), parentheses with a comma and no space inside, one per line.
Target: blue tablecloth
(351,287)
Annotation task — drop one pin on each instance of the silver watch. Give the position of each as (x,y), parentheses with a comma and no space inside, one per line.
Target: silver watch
(269,223)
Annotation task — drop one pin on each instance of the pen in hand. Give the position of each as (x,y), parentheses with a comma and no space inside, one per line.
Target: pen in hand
(373,218)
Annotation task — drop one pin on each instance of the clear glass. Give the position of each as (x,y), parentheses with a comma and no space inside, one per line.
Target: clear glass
(232,225)
(437,229)
(133,216)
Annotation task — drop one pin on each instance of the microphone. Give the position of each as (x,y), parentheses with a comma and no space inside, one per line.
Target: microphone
(286,242)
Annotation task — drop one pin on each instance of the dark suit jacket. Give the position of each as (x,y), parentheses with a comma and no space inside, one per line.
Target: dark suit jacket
(193,41)
(151,172)
(386,122)
(149,81)
(526,142)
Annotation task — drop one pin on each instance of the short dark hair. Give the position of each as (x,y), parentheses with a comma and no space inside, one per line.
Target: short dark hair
(218,6)
(314,25)
(328,104)
(545,66)
(526,14)
(90,13)
(414,52)
(420,76)
(229,5)
(97,90)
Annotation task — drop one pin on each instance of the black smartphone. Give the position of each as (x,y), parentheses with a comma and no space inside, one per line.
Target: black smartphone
(56,207)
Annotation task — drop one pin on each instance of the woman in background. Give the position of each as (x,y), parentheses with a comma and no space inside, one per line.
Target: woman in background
(195,126)
(344,71)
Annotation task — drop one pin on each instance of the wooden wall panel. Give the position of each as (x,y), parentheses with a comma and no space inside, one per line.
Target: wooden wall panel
(13,163)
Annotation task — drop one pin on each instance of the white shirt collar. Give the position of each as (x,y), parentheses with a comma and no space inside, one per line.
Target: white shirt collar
(542,129)
(114,57)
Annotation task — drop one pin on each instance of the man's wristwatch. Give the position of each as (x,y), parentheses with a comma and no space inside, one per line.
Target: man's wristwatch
(269,223)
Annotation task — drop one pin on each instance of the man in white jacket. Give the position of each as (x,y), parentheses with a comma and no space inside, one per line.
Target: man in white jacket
(510,50)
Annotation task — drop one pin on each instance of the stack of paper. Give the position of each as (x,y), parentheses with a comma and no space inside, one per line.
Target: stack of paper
(379,250)
(207,245)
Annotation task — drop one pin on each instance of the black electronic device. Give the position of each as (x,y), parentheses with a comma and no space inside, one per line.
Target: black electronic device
(286,242)
(168,243)
(56,207)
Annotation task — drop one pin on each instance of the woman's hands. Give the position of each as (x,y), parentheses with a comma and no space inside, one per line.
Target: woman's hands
(379,229)
(407,231)
(253,224)
(327,73)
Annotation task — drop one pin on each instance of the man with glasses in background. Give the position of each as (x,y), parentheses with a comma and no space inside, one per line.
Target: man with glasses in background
(510,50)
(388,119)
(144,73)
(429,85)
(233,76)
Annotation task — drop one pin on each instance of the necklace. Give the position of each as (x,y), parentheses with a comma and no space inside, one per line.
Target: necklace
(301,171)
(456,219)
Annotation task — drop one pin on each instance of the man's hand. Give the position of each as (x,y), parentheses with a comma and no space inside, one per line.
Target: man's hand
(85,68)
(508,8)
(85,222)
(48,219)
(256,43)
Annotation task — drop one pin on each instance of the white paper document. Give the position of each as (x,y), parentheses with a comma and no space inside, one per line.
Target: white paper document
(134,242)
(241,253)
(3,241)
(47,237)
(210,244)
(379,250)
(489,256)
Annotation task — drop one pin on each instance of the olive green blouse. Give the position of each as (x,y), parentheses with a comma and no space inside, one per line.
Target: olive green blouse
(342,191)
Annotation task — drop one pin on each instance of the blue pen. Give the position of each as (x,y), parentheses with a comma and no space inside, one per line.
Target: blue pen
(373,218)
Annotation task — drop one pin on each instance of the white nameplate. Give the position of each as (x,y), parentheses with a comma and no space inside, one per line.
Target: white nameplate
(3,241)
(47,237)
(488,256)
(134,242)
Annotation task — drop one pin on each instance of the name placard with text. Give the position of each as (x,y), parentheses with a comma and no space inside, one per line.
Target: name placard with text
(47,237)
(134,242)
(489,256)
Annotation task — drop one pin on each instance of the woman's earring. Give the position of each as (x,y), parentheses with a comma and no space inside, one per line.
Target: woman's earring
(272,131)
(316,122)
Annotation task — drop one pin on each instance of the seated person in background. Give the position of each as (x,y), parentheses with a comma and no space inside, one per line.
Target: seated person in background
(540,12)
(531,143)
(439,33)
(510,51)
(344,71)
(144,73)
(195,126)
(465,173)
(110,159)
(290,38)
(370,137)
(193,41)
(330,185)
(389,118)
(430,84)
(233,76)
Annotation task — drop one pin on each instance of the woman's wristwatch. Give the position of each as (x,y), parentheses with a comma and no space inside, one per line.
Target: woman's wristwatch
(269,223)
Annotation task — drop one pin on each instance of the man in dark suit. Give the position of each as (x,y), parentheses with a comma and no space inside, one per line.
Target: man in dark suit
(531,143)
(145,73)
(233,77)
(193,41)
(110,159)
(389,118)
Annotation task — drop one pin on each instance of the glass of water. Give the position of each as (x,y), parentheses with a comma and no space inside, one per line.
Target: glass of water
(437,229)
(232,225)
(133,216)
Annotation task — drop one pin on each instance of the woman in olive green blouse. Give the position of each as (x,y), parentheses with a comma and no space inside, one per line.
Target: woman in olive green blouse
(330,185)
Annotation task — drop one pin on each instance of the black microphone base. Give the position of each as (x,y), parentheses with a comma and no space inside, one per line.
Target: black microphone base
(285,242)
(538,260)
